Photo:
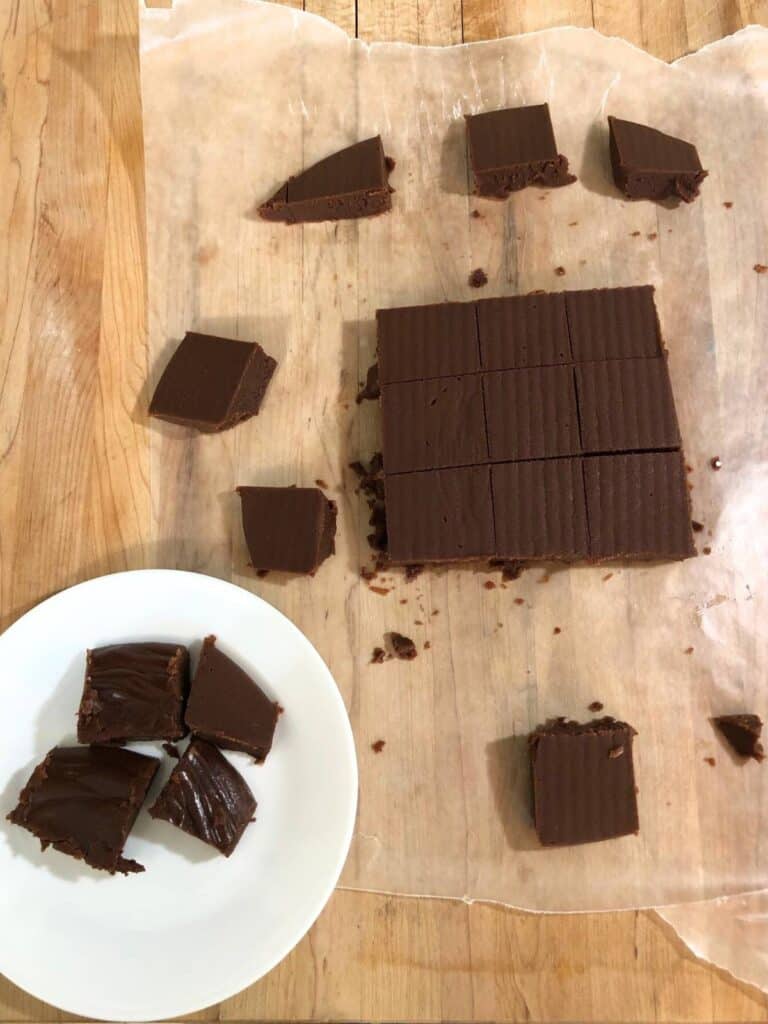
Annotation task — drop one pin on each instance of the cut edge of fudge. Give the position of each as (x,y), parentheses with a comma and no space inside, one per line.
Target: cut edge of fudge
(742,732)
(266,529)
(206,797)
(310,196)
(648,178)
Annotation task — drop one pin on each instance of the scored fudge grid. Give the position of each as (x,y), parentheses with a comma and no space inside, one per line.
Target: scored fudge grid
(538,426)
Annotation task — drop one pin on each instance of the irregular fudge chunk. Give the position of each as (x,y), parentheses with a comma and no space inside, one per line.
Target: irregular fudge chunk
(419,342)
(531,414)
(613,323)
(134,692)
(212,384)
(583,781)
(510,149)
(349,184)
(638,507)
(83,801)
(647,164)
(523,330)
(227,707)
(743,734)
(288,529)
(207,798)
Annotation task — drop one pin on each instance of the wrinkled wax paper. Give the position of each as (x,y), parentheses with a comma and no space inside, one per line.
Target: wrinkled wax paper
(239,95)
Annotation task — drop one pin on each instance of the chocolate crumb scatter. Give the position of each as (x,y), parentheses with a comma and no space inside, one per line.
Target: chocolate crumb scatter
(436,611)
(652,236)
(370,391)
(519,600)
(696,526)
(478,278)
(412,572)
(635,234)
(321,483)
(716,462)
(427,644)
(760,268)
(572,223)
(608,576)
(418,622)
(688,650)
(596,706)
(707,550)
(378,746)
(510,570)
(727,204)
(557,631)
(615,752)
(172,750)
(403,600)
(710,761)
(403,647)
(378,655)
(560,271)
(489,585)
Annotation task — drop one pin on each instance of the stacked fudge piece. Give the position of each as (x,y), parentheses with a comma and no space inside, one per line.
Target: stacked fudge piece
(531,427)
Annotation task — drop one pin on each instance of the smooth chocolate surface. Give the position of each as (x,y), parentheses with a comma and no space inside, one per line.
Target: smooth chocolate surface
(433,424)
(626,405)
(346,185)
(612,323)
(83,801)
(419,342)
(512,148)
(523,330)
(638,506)
(583,781)
(648,164)
(288,529)
(212,383)
(227,707)
(207,798)
(743,734)
(531,414)
(134,692)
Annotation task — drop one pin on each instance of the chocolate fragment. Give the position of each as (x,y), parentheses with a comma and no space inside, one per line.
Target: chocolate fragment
(742,733)
(402,646)
(288,529)
(370,390)
(478,278)
(648,164)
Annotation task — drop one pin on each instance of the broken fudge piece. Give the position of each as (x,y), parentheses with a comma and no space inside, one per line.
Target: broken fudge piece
(288,529)
(647,164)
(83,801)
(134,692)
(212,384)
(742,733)
(227,707)
(583,781)
(207,798)
(349,184)
(510,149)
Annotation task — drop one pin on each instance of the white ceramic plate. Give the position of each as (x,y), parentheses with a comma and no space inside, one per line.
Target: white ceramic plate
(194,928)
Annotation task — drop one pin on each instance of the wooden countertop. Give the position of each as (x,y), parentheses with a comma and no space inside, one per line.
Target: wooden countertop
(74,501)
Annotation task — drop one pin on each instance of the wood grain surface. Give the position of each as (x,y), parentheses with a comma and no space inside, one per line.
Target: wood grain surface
(75,499)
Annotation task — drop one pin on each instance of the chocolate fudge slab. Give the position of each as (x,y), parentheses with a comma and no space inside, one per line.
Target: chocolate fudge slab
(638,507)
(288,529)
(83,801)
(531,414)
(212,384)
(433,424)
(207,798)
(443,515)
(419,342)
(346,185)
(134,692)
(522,331)
(512,148)
(583,781)
(227,707)
(539,510)
(626,405)
(648,164)
(613,323)
(743,734)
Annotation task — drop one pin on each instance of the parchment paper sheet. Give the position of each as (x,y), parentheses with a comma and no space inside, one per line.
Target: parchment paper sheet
(237,96)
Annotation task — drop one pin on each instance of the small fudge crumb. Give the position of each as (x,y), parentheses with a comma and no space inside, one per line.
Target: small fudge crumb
(560,271)
(742,733)
(489,585)
(378,746)
(635,234)
(381,591)
(696,526)
(262,573)
(478,278)
(608,576)
(716,462)
(172,750)
(706,550)
(727,204)
(572,223)
(390,163)
(557,631)
(760,268)
(370,391)
(652,236)
(596,706)
(378,655)
(402,646)
(321,483)
(436,611)
(427,644)
(509,570)
(519,600)
(412,572)
(711,761)
(403,600)
(476,214)
(688,650)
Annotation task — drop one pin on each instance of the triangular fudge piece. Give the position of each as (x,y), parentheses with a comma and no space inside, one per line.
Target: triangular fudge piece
(227,707)
(349,184)
(647,164)
(742,733)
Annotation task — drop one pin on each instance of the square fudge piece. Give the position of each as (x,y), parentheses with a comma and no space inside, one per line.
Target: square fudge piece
(227,707)
(134,692)
(212,384)
(523,330)
(444,515)
(207,798)
(613,323)
(288,529)
(647,164)
(83,801)
(419,342)
(539,510)
(531,414)
(626,405)
(638,506)
(433,424)
(512,148)
(583,781)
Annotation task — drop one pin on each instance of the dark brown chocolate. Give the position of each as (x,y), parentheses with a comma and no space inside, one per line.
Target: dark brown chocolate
(613,323)
(419,342)
(227,707)
(288,529)
(531,414)
(512,148)
(134,692)
(583,781)
(743,734)
(647,164)
(212,384)
(83,801)
(348,184)
(523,330)
(402,646)
(207,798)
